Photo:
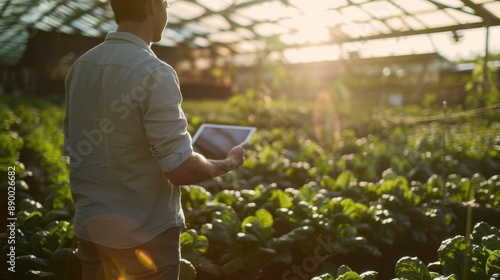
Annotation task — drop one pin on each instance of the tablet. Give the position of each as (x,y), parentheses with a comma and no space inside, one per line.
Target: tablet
(215,140)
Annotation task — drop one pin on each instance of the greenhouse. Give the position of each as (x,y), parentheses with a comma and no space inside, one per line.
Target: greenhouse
(376,152)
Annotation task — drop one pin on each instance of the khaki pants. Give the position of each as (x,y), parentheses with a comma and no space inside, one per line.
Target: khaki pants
(156,259)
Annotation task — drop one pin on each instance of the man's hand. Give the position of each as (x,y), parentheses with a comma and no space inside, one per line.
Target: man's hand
(236,156)
(198,169)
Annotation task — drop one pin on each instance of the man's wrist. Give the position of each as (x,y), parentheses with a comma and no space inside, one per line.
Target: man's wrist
(220,167)
(231,165)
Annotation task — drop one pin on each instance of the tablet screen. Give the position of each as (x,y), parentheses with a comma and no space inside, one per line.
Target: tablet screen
(214,141)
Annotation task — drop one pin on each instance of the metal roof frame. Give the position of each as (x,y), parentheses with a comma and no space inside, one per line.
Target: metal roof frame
(242,27)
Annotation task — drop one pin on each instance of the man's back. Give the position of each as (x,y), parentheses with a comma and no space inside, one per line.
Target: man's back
(118,136)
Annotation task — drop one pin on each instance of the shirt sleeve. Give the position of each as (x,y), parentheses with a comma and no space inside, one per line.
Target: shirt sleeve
(164,121)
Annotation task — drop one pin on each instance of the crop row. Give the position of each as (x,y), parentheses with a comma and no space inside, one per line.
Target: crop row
(295,207)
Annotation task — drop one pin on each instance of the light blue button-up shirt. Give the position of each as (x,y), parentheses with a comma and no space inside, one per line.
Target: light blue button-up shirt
(124,127)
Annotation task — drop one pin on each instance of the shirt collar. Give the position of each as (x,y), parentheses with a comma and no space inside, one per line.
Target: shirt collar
(126,36)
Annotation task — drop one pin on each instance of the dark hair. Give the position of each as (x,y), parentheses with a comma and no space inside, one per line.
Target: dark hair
(129,10)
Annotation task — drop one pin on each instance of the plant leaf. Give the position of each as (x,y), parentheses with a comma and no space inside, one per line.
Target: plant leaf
(187,271)
(265,218)
(491,242)
(324,277)
(412,268)
(344,179)
(343,269)
(351,275)
(369,275)
(450,255)
(493,264)
(481,230)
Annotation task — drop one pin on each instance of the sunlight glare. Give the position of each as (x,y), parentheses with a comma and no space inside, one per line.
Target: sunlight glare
(382,9)
(308,6)
(319,30)
(268,11)
(312,54)
(145,259)
(396,46)
(355,13)
(309,29)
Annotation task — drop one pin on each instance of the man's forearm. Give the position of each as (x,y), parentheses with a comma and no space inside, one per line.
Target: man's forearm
(197,169)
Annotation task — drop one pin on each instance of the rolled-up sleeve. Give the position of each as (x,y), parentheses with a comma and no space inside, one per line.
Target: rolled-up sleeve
(164,121)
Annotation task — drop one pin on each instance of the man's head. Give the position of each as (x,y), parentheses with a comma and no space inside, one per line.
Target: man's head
(141,10)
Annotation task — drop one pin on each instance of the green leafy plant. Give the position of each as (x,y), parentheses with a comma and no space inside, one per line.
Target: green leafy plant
(345,273)
(484,260)
(377,189)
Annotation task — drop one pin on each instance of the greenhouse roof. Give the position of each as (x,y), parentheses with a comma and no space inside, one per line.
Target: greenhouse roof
(244,27)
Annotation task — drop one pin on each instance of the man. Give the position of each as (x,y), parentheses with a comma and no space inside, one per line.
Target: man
(129,148)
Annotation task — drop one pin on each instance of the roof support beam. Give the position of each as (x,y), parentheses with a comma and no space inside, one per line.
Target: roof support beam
(80,13)
(488,18)
(443,6)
